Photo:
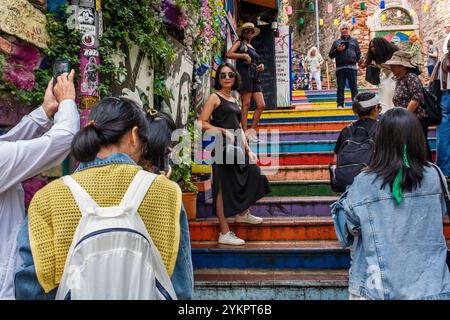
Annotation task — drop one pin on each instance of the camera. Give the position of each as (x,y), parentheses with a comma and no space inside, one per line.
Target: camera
(59,67)
(345,43)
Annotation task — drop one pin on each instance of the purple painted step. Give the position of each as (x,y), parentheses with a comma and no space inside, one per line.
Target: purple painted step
(319,135)
(281,207)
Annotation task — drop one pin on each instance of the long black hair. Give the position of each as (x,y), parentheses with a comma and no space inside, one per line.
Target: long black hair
(237,79)
(109,120)
(160,128)
(399,128)
(384,50)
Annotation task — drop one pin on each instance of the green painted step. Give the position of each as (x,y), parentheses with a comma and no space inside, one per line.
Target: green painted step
(299,188)
(270,284)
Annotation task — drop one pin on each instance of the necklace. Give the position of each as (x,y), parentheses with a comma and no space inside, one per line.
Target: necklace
(225,94)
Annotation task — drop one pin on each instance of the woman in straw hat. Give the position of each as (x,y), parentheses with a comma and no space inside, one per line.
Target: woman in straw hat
(409,89)
(248,66)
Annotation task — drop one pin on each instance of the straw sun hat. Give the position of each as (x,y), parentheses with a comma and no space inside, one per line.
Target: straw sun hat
(248,25)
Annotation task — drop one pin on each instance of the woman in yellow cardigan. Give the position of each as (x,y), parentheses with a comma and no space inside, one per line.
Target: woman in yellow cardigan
(109,148)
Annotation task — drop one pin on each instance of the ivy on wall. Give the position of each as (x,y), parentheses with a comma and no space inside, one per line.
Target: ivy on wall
(64,43)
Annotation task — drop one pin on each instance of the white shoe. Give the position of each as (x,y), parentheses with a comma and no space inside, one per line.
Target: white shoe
(230,239)
(248,218)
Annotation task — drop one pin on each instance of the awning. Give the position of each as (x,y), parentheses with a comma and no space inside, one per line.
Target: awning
(264,3)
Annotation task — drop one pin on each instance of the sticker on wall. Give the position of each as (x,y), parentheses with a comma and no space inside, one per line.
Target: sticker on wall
(89,75)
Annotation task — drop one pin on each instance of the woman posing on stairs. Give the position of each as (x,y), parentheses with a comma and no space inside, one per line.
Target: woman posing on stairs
(237,182)
(247,63)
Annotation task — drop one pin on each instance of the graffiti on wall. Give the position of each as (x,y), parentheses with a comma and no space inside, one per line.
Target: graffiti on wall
(178,84)
(137,82)
(19,18)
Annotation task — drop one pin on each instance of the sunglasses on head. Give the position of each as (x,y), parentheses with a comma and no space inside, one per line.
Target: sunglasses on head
(230,75)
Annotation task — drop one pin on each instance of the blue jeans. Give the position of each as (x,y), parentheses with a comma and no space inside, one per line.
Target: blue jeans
(430,70)
(341,78)
(443,136)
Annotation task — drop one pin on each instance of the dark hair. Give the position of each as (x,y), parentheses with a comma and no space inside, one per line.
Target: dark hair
(358,108)
(399,127)
(237,79)
(185,78)
(430,41)
(109,120)
(384,50)
(160,128)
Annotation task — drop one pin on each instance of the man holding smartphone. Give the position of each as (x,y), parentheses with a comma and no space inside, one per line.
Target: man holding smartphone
(39,142)
(347,53)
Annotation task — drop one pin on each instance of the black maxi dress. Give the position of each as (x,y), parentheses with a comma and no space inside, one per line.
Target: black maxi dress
(241,184)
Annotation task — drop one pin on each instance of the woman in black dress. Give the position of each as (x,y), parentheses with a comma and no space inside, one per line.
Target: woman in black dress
(248,66)
(237,181)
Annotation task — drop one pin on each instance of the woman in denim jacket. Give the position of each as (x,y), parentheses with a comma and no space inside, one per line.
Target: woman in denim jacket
(109,148)
(392,217)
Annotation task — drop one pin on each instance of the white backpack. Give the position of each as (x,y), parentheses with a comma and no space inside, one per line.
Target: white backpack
(112,256)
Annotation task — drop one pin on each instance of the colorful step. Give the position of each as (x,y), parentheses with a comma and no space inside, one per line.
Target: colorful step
(283,173)
(281,207)
(274,229)
(295,188)
(271,255)
(270,284)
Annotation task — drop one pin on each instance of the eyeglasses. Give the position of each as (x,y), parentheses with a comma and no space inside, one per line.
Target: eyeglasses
(251,31)
(231,75)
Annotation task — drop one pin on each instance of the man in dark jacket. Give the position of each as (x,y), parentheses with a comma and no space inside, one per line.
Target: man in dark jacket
(347,54)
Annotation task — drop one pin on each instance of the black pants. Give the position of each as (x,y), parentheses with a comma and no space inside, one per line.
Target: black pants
(341,78)
(424,124)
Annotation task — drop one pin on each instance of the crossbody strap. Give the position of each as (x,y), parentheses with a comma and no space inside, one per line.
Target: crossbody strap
(445,191)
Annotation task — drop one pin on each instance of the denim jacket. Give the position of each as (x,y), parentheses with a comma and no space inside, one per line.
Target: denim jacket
(27,285)
(397,251)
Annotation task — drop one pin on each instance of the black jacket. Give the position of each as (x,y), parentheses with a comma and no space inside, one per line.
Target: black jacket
(350,56)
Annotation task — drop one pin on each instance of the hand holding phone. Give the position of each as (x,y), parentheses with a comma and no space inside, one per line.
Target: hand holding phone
(60,66)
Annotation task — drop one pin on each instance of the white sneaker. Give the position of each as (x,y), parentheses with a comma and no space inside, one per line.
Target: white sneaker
(230,239)
(248,218)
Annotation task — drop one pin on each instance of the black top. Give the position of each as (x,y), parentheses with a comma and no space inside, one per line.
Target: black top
(243,67)
(366,123)
(350,56)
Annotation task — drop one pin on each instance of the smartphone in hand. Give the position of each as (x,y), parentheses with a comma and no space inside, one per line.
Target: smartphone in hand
(59,67)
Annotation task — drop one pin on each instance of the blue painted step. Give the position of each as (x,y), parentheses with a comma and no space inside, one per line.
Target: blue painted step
(271,255)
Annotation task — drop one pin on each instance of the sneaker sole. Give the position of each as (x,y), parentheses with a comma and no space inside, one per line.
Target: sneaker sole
(229,244)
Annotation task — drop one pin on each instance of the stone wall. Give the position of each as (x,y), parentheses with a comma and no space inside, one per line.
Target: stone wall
(304,37)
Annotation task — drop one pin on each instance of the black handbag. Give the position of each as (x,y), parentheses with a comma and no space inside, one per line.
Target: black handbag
(433,108)
(373,74)
(447,203)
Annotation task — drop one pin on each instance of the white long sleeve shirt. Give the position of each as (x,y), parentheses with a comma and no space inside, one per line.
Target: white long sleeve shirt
(444,48)
(31,147)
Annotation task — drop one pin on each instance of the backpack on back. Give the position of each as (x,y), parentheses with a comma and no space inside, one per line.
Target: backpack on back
(112,255)
(354,154)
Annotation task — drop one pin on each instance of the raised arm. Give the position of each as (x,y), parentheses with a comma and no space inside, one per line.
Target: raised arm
(231,54)
(22,159)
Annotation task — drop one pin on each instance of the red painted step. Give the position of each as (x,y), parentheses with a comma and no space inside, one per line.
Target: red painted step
(274,229)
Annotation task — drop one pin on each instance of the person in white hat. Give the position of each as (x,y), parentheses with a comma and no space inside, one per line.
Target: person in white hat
(447,40)
(248,66)
(409,89)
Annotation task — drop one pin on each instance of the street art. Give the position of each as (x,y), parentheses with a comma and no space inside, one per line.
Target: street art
(178,84)
(19,18)
(283,66)
(137,82)
(89,76)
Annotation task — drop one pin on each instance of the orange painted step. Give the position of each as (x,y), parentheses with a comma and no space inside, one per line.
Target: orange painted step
(287,173)
(274,229)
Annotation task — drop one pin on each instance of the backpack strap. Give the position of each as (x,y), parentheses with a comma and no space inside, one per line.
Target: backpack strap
(350,130)
(373,130)
(84,201)
(137,190)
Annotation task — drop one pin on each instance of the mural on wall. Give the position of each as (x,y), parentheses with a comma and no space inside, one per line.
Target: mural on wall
(400,38)
(283,66)
(21,19)
(178,84)
(137,83)
(201,88)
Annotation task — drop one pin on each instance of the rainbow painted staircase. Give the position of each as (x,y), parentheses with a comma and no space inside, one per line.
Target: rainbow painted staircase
(294,253)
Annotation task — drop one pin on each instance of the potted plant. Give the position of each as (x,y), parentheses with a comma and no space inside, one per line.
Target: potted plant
(181,173)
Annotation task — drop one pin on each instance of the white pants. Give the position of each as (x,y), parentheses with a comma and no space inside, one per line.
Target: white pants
(316,76)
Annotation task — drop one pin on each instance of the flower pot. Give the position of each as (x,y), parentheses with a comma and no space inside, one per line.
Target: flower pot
(203,186)
(190,204)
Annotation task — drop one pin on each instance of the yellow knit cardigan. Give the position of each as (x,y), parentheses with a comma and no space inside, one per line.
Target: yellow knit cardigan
(54,215)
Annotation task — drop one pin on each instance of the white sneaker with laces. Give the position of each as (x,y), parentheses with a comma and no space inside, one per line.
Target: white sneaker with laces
(231,239)
(248,218)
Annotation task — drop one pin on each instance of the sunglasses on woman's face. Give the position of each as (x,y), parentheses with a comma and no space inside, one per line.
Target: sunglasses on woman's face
(230,75)
(250,31)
